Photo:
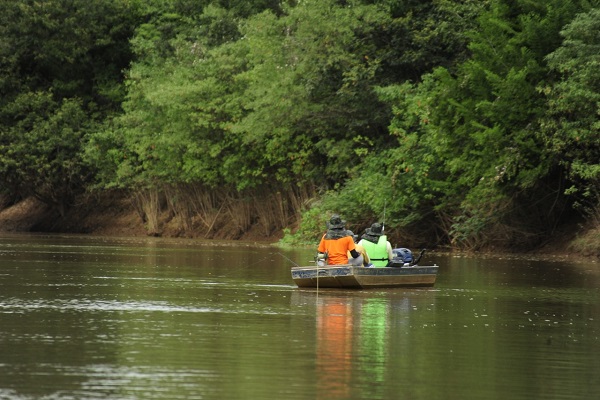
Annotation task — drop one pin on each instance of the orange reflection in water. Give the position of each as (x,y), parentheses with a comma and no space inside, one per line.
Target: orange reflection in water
(334,348)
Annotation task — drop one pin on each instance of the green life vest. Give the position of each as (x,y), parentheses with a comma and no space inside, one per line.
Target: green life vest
(377,252)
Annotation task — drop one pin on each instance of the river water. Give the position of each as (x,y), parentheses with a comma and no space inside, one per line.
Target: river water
(116,318)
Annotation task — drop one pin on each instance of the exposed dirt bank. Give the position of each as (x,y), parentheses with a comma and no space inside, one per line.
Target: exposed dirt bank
(117,216)
(104,216)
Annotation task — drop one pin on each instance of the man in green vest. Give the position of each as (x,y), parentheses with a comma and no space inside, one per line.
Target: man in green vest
(377,246)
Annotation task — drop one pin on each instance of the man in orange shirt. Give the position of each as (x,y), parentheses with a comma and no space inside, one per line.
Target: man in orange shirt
(336,243)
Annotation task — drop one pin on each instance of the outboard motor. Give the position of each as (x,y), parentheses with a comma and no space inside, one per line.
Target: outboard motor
(402,257)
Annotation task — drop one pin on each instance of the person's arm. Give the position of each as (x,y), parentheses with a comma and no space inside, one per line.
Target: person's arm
(352,247)
(390,251)
(322,248)
(350,243)
(361,250)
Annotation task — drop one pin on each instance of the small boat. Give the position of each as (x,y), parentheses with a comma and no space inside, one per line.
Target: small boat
(355,277)
(402,271)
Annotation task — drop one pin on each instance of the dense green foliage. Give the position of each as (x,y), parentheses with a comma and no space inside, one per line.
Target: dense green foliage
(465,122)
(570,128)
(60,77)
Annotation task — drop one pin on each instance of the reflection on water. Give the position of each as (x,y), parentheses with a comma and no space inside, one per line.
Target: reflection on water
(92,318)
(334,345)
(362,339)
(348,332)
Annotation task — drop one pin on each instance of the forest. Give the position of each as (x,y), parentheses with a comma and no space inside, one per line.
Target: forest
(472,124)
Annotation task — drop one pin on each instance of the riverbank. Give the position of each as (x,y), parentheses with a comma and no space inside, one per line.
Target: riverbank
(117,216)
(110,216)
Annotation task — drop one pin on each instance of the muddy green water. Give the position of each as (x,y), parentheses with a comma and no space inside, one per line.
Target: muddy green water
(98,318)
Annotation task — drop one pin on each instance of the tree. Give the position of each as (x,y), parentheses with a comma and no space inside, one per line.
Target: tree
(180,102)
(289,102)
(571,128)
(309,93)
(475,126)
(60,74)
(40,154)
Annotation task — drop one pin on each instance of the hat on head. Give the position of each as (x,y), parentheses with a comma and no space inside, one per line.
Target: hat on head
(376,229)
(336,222)
(350,233)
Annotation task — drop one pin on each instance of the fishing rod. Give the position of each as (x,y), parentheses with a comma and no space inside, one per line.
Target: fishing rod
(383,222)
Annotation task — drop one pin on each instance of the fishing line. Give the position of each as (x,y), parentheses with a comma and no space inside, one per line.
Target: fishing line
(287,258)
(317,296)
(231,271)
(297,265)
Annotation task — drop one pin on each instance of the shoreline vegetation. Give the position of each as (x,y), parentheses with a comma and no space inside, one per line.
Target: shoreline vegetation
(461,125)
(116,215)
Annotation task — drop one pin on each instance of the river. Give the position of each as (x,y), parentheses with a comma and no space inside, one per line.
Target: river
(130,318)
